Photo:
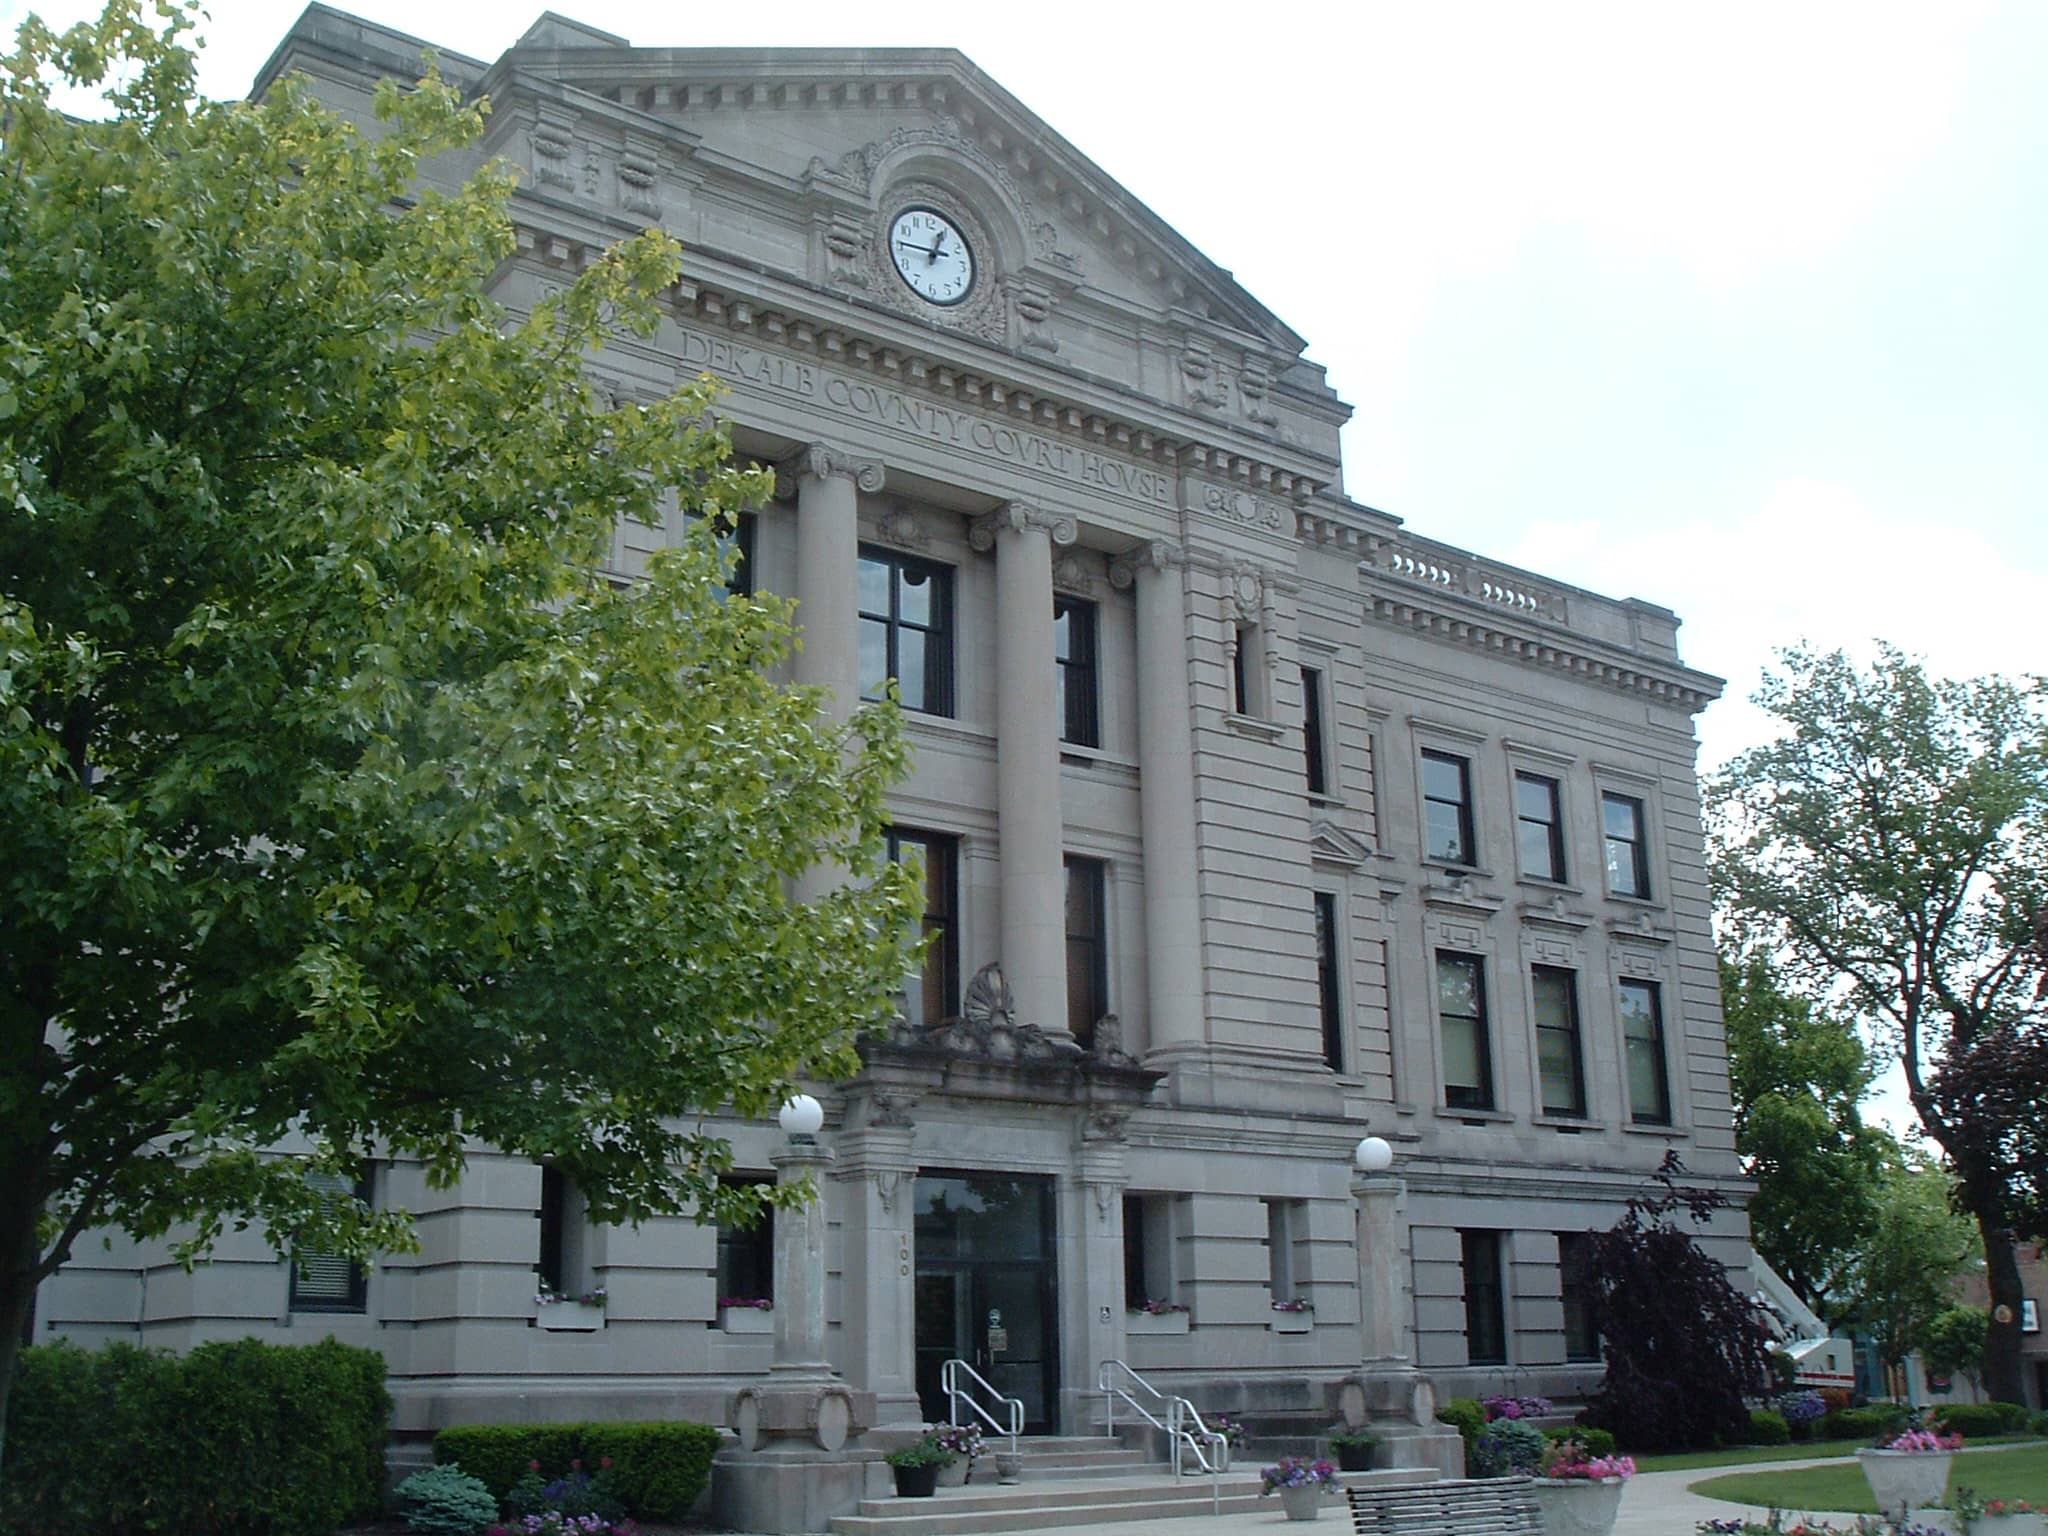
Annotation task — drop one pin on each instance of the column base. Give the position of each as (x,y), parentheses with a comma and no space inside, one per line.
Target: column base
(1397,1403)
(793,1488)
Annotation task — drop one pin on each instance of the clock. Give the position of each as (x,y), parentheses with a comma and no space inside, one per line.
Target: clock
(931,255)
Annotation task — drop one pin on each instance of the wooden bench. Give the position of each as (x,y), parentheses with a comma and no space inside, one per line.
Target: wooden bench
(1490,1506)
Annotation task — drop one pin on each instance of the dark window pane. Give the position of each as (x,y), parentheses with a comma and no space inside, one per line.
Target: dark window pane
(1087,951)
(746,1258)
(1443,778)
(1446,808)
(1574,1260)
(1074,653)
(910,673)
(1485,1316)
(874,587)
(1312,730)
(1328,981)
(1461,1006)
(1539,828)
(932,995)
(874,658)
(328,1282)
(1628,867)
(905,630)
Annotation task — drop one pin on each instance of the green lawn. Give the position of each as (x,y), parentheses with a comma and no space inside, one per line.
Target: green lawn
(2020,1473)
(1813,1450)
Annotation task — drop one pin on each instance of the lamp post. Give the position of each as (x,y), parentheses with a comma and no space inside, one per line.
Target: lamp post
(1379,1252)
(800,1243)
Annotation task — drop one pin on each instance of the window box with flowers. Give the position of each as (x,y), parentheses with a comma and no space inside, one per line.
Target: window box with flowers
(1156,1317)
(1295,1315)
(566,1312)
(746,1314)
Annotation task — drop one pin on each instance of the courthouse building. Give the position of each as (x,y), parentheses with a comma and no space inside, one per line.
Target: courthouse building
(1281,824)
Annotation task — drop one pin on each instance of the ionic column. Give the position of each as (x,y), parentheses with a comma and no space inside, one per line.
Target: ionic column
(1166,795)
(827,556)
(1032,885)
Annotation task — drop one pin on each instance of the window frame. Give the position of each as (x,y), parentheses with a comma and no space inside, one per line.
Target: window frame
(1480,1256)
(1078,676)
(1093,947)
(1655,1047)
(755,1243)
(356,1299)
(1553,835)
(938,682)
(1314,743)
(941,869)
(1574,1266)
(1574,1032)
(1462,807)
(1487,1099)
(1638,846)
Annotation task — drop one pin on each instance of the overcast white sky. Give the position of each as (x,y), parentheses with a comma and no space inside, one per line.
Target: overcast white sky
(1742,309)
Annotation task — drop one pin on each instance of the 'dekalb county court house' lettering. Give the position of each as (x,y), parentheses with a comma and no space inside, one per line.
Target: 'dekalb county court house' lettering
(1253,822)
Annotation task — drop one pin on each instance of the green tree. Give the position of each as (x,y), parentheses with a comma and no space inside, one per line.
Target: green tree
(344,804)
(1890,851)
(1952,1344)
(1904,1275)
(1797,1077)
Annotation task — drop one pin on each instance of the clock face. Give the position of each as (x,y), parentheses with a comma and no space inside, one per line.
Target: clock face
(931,255)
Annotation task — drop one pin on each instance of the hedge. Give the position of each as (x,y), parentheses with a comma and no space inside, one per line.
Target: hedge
(1767,1426)
(661,1468)
(1864,1423)
(1980,1419)
(245,1437)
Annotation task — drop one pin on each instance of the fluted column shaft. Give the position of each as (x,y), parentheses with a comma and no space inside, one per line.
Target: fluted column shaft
(1032,886)
(827,583)
(1166,798)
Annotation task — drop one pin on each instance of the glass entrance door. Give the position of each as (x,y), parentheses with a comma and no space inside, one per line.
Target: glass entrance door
(986,1287)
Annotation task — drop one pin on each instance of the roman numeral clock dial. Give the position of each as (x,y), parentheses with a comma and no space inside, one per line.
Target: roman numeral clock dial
(931,255)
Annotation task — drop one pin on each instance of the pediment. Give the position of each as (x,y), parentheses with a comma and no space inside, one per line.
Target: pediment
(845,125)
(1329,843)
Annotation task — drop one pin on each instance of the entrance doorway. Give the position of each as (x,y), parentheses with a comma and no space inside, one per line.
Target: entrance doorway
(987,1284)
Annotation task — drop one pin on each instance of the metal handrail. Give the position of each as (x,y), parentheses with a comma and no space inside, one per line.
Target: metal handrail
(949,1380)
(1186,1432)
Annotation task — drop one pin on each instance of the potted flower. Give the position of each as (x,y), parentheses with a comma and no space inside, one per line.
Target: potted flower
(1301,1484)
(746,1314)
(1580,1495)
(1909,1470)
(917,1466)
(963,1441)
(1998,1517)
(1353,1448)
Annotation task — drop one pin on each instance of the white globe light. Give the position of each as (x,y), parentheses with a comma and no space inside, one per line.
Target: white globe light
(802,1116)
(1374,1155)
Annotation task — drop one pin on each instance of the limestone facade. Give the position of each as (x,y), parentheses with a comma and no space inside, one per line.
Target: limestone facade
(1351,832)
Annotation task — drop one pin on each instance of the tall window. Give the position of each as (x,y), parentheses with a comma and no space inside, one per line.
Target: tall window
(906,629)
(1312,731)
(1539,827)
(323,1281)
(740,540)
(1329,987)
(1628,858)
(1642,1033)
(1461,1005)
(1149,1226)
(746,1258)
(1241,698)
(1087,946)
(1559,1062)
(1073,648)
(934,993)
(1446,808)
(1286,1225)
(1574,1262)
(564,1235)
(1486,1334)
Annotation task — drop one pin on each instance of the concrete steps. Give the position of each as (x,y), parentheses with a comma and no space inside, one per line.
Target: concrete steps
(1042,1503)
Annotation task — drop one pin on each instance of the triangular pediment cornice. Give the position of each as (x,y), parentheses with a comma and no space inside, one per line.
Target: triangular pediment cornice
(1329,843)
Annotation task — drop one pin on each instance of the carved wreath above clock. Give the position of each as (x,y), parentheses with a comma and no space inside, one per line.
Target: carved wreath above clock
(936,259)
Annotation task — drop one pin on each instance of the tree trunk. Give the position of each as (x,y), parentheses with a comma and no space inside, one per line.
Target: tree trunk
(20,1256)
(2002,1382)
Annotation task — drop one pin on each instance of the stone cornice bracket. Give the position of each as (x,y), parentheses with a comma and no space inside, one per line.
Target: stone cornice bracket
(1015,517)
(822,461)
(1153,555)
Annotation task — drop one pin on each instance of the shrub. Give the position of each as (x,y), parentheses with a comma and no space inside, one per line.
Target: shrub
(1864,1423)
(1767,1426)
(1977,1420)
(446,1501)
(1508,1447)
(1466,1416)
(237,1435)
(659,1470)
(1598,1442)
(2037,1424)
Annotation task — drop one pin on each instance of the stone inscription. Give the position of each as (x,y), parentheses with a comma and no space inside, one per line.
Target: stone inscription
(929,419)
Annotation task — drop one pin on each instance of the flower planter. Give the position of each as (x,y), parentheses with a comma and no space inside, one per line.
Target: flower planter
(1292,1322)
(1352,1456)
(745,1320)
(1138,1324)
(954,1474)
(1905,1480)
(2010,1525)
(569,1317)
(916,1482)
(1303,1503)
(1578,1506)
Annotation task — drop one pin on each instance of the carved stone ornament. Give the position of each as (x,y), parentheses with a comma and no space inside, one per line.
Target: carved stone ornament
(984,312)
(1070,573)
(822,461)
(887,1183)
(1108,1046)
(1105,1124)
(891,1110)
(1202,378)
(1015,517)
(988,1029)
(640,185)
(551,146)
(899,526)
(1153,555)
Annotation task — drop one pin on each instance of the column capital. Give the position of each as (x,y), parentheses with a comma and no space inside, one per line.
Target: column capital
(1016,517)
(825,461)
(1152,555)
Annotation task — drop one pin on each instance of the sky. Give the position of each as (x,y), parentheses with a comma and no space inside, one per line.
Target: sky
(1739,309)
